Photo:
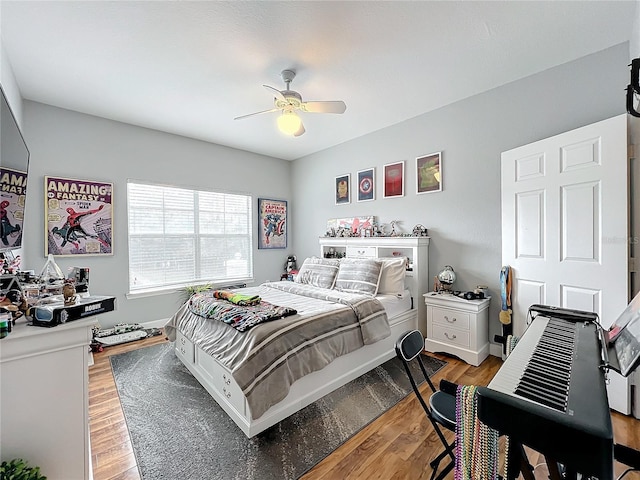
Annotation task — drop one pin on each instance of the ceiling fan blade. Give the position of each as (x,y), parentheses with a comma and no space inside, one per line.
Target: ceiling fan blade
(277,93)
(336,106)
(257,113)
(300,131)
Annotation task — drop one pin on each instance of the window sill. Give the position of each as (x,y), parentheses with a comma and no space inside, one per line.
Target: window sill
(154,292)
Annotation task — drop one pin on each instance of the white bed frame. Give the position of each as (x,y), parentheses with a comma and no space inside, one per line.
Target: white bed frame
(219,382)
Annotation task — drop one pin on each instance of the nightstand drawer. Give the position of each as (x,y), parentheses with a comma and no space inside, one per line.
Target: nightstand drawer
(450,318)
(364,252)
(451,336)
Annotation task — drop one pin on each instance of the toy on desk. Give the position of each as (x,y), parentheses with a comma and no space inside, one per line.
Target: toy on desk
(69,293)
(11,298)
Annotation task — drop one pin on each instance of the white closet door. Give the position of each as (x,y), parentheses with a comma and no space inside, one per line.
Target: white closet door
(565,225)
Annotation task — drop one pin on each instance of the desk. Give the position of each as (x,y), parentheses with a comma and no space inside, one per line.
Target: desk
(45,397)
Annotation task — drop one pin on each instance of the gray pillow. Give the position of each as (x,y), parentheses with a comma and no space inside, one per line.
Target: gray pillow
(359,276)
(319,272)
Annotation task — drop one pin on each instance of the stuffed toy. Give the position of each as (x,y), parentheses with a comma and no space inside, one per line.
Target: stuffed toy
(292,264)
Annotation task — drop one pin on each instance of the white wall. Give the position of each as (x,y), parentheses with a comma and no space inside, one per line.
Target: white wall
(9,86)
(464,219)
(73,145)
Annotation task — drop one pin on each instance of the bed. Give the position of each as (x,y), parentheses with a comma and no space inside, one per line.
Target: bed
(340,328)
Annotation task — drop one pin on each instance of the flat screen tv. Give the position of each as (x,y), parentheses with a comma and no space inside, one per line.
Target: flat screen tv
(14,166)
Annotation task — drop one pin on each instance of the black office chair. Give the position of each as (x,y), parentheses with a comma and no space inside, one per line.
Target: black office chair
(441,409)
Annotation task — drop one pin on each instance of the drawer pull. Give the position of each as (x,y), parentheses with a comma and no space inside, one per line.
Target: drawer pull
(183,351)
(227,381)
(226,392)
(446,317)
(182,341)
(452,337)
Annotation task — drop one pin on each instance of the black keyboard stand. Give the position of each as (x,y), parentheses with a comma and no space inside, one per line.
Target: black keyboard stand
(627,455)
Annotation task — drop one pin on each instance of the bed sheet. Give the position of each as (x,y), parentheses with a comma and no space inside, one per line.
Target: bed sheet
(269,357)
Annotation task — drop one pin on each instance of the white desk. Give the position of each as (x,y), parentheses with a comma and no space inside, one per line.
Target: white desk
(44,398)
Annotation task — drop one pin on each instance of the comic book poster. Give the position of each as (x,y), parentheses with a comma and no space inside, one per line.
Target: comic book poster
(13,189)
(272,223)
(78,217)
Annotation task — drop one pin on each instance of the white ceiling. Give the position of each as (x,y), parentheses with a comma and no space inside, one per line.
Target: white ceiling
(189,67)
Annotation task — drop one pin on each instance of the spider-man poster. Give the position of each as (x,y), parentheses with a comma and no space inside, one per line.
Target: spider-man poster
(13,187)
(78,217)
(272,223)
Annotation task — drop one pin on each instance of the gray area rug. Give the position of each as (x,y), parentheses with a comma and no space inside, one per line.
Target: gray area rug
(179,432)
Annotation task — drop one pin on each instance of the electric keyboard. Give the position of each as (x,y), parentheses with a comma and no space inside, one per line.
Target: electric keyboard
(550,395)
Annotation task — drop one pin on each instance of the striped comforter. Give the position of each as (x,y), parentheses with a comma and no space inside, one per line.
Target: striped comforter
(268,358)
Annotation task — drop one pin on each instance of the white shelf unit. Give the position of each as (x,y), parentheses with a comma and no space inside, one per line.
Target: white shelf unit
(414,248)
(457,326)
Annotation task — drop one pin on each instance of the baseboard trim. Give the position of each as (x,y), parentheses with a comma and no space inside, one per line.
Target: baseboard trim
(161,322)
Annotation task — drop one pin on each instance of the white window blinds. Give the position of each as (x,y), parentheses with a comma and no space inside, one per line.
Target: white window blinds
(179,236)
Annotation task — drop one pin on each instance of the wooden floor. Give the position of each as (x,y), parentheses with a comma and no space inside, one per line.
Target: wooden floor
(398,445)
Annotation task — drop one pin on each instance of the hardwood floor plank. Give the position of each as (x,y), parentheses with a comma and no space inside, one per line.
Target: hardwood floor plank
(397,445)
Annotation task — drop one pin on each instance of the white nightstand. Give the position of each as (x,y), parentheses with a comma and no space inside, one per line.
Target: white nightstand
(457,326)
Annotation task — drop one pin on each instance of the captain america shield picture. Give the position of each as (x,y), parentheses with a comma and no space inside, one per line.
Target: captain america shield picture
(366,185)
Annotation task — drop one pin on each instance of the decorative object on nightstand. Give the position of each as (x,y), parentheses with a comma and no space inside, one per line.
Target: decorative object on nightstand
(457,326)
(445,279)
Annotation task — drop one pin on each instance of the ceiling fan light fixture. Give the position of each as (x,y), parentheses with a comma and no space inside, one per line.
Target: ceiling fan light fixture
(289,122)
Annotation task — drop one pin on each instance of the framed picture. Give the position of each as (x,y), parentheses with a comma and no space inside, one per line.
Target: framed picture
(78,217)
(429,173)
(394,180)
(13,189)
(343,189)
(367,185)
(272,223)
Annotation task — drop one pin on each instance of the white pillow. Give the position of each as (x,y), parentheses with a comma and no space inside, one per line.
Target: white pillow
(392,276)
(319,272)
(359,275)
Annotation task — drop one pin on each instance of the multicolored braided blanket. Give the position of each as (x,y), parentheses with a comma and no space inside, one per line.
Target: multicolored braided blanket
(240,317)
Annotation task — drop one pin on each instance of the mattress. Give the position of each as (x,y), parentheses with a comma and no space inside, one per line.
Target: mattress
(394,305)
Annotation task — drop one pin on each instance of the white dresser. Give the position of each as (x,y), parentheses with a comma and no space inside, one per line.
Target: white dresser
(45,398)
(457,326)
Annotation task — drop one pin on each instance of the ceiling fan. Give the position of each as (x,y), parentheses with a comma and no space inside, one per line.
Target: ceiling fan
(288,101)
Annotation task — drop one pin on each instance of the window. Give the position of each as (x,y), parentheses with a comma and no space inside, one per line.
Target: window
(179,236)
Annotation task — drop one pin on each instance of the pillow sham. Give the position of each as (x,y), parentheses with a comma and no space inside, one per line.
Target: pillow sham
(358,276)
(318,272)
(392,276)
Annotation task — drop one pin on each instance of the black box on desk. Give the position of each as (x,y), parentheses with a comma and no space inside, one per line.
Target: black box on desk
(56,313)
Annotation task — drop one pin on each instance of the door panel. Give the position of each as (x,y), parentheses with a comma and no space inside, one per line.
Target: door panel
(564,212)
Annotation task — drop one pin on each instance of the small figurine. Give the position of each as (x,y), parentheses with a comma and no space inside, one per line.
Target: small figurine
(291,263)
(69,294)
